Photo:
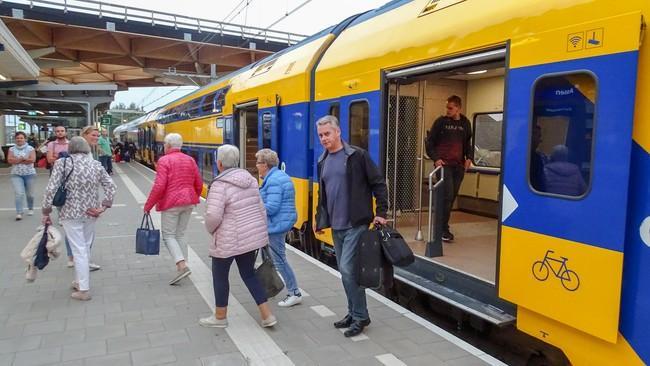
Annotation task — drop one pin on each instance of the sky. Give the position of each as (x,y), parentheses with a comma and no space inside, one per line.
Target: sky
(312,17)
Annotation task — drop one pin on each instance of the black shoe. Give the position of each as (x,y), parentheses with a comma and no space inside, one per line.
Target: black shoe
(356,328)
(344,323)
(447,236)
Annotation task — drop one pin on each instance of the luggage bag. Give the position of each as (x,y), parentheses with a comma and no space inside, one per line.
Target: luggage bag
(370,260)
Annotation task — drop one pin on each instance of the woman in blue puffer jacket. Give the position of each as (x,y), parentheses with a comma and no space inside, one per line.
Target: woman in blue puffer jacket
(278,195)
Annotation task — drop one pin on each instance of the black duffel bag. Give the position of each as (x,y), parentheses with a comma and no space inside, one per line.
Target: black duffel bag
(395,249)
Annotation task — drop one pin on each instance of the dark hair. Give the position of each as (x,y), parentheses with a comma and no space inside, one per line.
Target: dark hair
(455,99)
(20,133)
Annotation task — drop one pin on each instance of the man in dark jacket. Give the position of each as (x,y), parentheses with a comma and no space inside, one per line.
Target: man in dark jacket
(348,181)
(450,145)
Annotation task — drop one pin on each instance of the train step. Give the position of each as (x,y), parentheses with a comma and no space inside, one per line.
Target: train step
(464,295)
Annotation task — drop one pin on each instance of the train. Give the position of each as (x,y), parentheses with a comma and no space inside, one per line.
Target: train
(560,83)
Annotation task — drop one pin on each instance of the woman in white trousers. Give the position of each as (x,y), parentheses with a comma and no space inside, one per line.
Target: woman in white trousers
(82,207)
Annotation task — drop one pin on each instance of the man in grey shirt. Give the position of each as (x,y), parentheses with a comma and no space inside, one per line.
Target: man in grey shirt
(349,180)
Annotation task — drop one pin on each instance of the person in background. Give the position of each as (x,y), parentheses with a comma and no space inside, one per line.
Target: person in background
(82,207)
(562,176)
(349,180)
(236,219)
(175,192)
(91,135)
(58,146)
(450,142)
(106,152)
(31,141)
(278,195)
(22,157)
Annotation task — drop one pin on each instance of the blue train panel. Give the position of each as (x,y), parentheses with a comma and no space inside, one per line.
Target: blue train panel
(636,271)
(322,108)
(598,218)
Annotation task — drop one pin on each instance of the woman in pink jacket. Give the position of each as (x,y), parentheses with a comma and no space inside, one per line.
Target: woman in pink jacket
(236,219)
(175,192)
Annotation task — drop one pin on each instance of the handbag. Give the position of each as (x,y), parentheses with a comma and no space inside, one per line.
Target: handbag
(62,193)
(41,257)
(267,275)
(395,249)
(147,238)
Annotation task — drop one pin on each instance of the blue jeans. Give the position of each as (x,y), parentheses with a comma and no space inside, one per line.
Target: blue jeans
(107,163)
(345,245)
(23,187)
(246,266)
(279,256)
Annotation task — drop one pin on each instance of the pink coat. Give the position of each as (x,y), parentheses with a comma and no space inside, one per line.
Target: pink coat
(178,182)
(235,214)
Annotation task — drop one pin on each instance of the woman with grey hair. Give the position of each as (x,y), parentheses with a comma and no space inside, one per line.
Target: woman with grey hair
(175,192)
(236,219)
(278,194)
(83,177)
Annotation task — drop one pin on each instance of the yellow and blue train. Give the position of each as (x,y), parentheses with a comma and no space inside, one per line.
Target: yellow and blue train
(558,87)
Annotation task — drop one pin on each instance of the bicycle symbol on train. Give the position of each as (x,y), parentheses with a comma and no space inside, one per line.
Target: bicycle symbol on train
(568,278)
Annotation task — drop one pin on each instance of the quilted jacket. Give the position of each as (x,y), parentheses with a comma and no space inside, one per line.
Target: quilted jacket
(86,175)
(279,198)
(235,214)
(178,182)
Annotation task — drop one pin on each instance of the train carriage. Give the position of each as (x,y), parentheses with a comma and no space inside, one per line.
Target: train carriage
(557,82)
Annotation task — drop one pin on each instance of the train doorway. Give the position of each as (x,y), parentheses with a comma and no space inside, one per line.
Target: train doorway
(247,135)
(415,99)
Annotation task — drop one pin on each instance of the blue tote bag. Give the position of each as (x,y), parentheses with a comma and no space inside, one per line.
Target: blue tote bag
(147,238)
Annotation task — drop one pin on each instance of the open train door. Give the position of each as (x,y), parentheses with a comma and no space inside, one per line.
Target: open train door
(569,115)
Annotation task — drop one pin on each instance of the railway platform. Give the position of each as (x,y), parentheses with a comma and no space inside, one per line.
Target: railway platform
(136,318)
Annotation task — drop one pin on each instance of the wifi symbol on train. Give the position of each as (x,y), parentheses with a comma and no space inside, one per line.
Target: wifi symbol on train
(575,40)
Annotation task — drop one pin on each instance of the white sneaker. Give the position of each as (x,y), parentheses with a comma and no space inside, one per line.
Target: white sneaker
(70,264)
(94,267)
(290,300)
(30,213)
(19,217)
(213,322)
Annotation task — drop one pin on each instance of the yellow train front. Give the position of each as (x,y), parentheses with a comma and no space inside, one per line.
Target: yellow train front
(553,88)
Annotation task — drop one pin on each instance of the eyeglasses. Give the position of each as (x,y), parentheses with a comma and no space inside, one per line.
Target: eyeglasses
(259,162)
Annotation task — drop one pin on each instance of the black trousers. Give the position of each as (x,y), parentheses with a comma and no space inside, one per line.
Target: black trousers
(453,177)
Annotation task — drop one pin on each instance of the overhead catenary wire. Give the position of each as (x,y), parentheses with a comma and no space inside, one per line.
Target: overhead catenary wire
(208,38)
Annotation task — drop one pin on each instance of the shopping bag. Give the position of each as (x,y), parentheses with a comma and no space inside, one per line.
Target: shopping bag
(395,249)
(267,275)
(147,238)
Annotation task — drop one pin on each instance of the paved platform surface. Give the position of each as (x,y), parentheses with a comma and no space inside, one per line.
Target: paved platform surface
(136,318)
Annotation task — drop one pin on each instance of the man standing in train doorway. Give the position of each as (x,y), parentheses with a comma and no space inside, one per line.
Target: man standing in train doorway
(348,181)
(449,144)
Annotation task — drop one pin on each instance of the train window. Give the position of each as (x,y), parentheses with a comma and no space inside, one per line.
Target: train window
(487,139)
(359,122)
(208,160)
(208,103)
(562,134)
(335,110)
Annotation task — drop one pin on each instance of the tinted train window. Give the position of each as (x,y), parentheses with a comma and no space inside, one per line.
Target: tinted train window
(562,133)
(335,110)
(359,122)
(208,161)
(487,139)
